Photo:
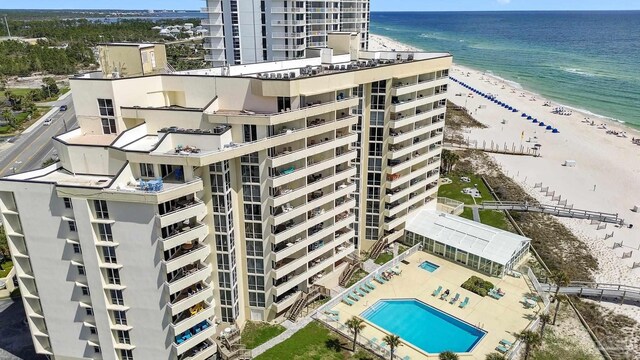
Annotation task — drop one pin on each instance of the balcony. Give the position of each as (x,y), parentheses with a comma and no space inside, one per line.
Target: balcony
(187,254)
(287,301)
(397,194)
(211,10)
(183,210)
(189,297)
(185,234)
(281,10)
(194,336)
(202,351)
(192,317)
(287,22)
(190,275)
(211,22)
(289,265)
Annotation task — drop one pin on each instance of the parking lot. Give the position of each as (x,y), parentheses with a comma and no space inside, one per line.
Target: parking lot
(15,341)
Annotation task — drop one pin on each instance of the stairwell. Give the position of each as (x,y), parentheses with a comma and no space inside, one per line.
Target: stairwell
(348,272)
(377,248)
(307,297)
(232,349)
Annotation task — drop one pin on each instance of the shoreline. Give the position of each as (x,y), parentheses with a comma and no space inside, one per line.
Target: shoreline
(381,42)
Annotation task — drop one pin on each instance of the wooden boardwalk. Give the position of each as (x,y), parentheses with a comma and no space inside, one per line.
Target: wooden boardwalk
(599,291)
(561,211)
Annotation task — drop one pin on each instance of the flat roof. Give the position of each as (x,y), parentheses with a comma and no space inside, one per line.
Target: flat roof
(485,241)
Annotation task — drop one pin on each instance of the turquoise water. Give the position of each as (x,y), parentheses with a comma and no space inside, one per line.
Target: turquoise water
(429,266)
(585,60)
(423,326)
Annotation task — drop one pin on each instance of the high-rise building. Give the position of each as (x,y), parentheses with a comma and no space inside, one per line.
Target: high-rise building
(195,198)
(250,31)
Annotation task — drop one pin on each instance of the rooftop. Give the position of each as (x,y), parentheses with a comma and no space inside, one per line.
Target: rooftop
(485,241)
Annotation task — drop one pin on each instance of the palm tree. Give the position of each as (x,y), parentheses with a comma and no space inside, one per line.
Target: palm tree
(448,355)
(544,320)
(561,279)
(530,339)
(559,298)
(393,341)
(495,356)
(356,325)
(449,159)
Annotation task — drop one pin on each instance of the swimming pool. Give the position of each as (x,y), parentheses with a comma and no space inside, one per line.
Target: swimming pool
(429,266)
(423,326)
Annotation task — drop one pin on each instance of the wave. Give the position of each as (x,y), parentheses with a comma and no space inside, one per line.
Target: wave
(513,84)
(580,72)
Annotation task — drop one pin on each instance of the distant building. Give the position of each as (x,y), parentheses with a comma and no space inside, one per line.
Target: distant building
(131,59)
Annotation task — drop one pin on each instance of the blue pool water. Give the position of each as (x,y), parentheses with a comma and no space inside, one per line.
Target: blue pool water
(429,266)
(423,326)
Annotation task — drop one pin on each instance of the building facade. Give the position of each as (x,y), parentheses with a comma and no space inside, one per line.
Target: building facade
(250,31)
(191,199)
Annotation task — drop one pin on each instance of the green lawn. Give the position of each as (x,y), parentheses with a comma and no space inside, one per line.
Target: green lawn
(494,218)
(383,258)
(454,190)
(6,268)
(258,333)
(23,91)
(555,347)
(359,275)
(314,342)
(467,213)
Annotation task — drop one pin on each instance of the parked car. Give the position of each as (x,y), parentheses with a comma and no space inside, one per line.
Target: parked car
(47,122)
(63,108)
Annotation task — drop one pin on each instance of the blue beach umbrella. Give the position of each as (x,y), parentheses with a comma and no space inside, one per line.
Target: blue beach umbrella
(514,110)
(535,121)
(542,124)
(529,117)
(549,127)
(523,115)
(556,131)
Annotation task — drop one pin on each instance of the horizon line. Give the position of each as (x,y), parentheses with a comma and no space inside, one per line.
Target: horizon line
(373,11)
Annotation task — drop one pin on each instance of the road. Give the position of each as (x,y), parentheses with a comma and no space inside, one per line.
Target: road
(30,150)
(15,340)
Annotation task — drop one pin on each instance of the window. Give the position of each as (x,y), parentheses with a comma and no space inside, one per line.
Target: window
(113,276)
(116,297)
(85,290)
(101,209)
(120,317)
(256,299)
(249,133)
(146,170)
(250,174)
(284,103)
(81,270)
(109,254)
(255,266)
(106,107)
(89,311)
(72,226)
(253,230)
(252,212)
(222,244)
(77,249)
(67,203)
(126,355)
(224,279)
(108,126)
(251,193)
(254,248)
(256,283)
(123,337)
(96,349)
(104,231)
(93,331)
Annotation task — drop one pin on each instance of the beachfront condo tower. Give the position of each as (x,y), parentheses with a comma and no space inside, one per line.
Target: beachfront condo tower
(187,203)
(250,31)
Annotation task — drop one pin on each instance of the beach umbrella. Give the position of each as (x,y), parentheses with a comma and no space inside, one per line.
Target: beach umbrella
(542,124)
(535,121)
(549,127)
(529,117)
(523,115)
(556,131)
(510,107)
(514,110)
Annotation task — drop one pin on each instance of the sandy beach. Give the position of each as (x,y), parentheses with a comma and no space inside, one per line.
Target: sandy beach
(606,177)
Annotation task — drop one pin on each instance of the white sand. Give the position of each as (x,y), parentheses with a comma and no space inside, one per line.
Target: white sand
(610,163)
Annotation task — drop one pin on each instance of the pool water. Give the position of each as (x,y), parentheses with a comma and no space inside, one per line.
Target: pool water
(424,326)
(429,266)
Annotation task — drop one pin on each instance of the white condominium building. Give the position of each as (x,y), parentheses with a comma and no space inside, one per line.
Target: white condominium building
(250,31)
(191,199)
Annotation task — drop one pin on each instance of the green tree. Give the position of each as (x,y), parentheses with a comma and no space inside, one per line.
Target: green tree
(448,355)
(560,278)
(495,356)
(544,320)
(530,339)
(4,246)
(50,87)
(558,299)
(393,341)
(356,325)
(8,116)
(449,159)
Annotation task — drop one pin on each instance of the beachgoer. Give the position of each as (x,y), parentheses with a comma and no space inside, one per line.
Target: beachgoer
(446,292)
(594,187)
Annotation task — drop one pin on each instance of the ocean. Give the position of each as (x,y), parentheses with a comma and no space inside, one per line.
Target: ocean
(584,60)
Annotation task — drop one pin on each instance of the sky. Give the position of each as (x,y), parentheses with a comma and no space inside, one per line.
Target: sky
(376,5)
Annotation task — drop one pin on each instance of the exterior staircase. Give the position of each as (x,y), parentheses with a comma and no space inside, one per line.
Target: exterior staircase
(307,297)
(348,272)
(377,248)
(232,349)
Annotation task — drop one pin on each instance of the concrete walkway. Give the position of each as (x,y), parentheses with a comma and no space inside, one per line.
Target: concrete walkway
(291,327)
(476,214)
(370,266)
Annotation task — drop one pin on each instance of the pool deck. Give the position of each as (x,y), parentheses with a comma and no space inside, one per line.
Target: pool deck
(501,319)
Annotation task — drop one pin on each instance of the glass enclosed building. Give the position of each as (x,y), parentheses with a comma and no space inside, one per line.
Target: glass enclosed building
(480,247)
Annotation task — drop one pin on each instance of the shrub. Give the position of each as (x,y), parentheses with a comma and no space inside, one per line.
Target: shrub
(477,285)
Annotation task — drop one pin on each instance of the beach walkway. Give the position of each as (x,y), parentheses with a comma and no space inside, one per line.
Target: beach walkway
(495,150)
(561,211)
(476,213)
(608,292)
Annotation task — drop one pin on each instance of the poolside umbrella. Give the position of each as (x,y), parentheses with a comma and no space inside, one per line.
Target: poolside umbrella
(549,127)
(542,124)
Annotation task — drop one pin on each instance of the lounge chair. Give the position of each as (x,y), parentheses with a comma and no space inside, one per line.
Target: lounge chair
(379,279)
(396,270)
(364,289)
(359,293)
(464,303)
(501,349)
(347,301)
(506,342)
(353,296)
(455,298)
(332,312)
(370,285)
(492,293)
(436,292)
(335,318)
(444,296)
(407,357)
(373,343)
